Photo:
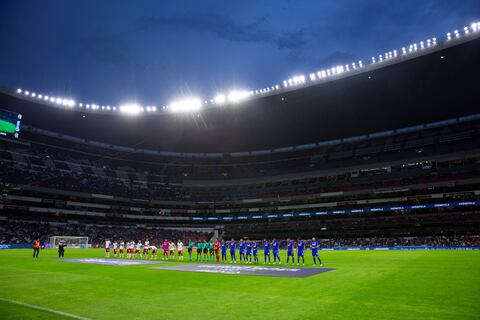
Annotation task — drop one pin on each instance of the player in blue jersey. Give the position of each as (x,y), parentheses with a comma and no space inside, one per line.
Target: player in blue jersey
(275,248)
(314,248)
(290,251)
(266,251)
(300,251)
(233,257)
(255,246)
(224,251)
(241,250)
(248,256)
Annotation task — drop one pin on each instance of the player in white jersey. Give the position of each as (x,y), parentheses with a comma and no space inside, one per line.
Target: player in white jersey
(122,248)
(138,249)
(171,249)
(146,247)
(154,252)
(180,249)
(132,249)
(115,248)
(107,248)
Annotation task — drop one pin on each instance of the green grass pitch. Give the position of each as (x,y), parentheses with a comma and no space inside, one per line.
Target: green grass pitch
(366,285)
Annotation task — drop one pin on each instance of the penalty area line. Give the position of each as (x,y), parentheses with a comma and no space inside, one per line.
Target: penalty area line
(32,306)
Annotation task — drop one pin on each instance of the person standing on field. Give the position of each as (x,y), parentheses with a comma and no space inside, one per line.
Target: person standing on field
(61,249)
(36,248)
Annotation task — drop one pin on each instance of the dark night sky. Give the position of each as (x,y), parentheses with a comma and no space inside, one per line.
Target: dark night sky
(109,52)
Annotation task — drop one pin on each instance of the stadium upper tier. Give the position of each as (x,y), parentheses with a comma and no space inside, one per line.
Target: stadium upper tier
(429,86)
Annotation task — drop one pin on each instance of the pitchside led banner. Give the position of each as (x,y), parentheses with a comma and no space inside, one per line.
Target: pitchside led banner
(10,123)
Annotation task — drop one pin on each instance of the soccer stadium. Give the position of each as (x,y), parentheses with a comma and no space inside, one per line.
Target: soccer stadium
(350,191)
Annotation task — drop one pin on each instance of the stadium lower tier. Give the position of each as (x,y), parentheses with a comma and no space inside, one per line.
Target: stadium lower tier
(23,227)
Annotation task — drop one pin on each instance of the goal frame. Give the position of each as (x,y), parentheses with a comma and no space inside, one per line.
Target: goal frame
(72,241)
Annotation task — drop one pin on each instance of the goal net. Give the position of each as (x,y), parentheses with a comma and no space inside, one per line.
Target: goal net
(70,242)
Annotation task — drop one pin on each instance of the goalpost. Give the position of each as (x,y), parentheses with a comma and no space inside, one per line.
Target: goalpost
(71,242)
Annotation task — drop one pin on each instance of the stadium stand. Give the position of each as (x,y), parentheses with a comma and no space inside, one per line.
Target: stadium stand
(349,177)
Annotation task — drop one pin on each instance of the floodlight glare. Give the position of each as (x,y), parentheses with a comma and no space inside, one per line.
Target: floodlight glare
(237,96)
(19,90)
(130,109)
(219,99)
(186,105)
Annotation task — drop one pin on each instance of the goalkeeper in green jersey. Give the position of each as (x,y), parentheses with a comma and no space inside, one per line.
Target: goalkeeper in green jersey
(199,250)
(190,249)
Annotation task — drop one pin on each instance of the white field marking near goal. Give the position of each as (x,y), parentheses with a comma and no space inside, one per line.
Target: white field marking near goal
(32,306)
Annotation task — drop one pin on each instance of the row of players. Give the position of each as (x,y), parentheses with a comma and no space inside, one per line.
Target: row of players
(214,250)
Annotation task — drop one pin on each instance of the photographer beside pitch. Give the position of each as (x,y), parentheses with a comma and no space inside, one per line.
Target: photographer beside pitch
(36,248)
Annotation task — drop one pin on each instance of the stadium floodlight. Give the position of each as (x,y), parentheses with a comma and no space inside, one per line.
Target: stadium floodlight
(466,30)
(312,77)
(474,26)
(26,93)
(236,96)
(114,108)
(220,99)
(39,96)
(71,103)
(130,108)
(373,59)
(34,94)
(58,101)
(154,109)
(186,105)
(88,106)
(46,97)
(19,90)
(276,88)
(360,63)
(457,34)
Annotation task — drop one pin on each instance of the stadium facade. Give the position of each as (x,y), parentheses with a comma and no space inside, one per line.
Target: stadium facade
(387,155)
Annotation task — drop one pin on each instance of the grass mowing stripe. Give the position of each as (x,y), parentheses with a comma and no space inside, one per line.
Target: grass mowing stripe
(32,306)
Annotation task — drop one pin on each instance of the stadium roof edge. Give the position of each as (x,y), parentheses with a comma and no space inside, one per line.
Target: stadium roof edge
(441,45)
(365,137)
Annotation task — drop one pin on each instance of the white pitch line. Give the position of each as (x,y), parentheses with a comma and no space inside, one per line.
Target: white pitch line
(32,306)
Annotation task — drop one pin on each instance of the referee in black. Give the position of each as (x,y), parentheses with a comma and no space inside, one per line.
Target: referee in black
(61,249)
